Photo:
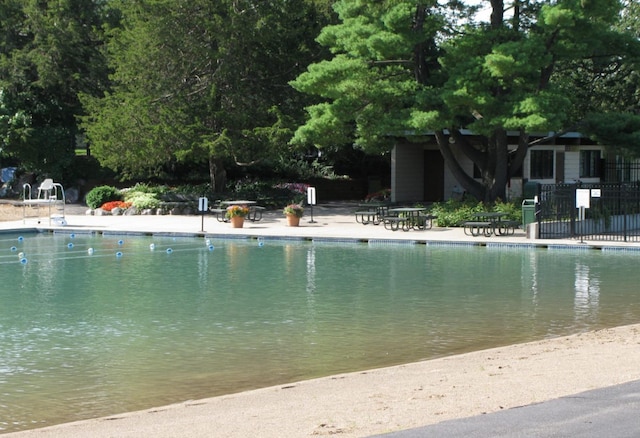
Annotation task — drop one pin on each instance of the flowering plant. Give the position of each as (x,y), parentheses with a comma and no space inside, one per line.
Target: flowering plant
(294,187)
(237,210)
(108,206)
(294,209)
(381,195)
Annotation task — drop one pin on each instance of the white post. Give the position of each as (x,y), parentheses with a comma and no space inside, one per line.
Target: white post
(203,206)
(311,200)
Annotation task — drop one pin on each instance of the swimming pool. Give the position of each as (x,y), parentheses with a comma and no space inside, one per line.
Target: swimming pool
(92,325)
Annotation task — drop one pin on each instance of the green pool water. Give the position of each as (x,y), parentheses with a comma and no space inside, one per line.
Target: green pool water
(93,325)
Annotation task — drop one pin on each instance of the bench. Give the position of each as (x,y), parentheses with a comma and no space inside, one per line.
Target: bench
(367,217)
(395,223)
(507,227)
(220,214)
(476,228)
(255,213)
(425,221)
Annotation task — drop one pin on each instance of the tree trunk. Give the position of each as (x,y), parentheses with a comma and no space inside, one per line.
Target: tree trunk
(217,174)
(497,171)
(492,162)
(470,185)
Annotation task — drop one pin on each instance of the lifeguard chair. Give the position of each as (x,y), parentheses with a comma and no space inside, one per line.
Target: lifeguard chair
(50,195)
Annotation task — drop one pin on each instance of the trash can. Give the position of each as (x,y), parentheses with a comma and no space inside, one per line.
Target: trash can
(528,212)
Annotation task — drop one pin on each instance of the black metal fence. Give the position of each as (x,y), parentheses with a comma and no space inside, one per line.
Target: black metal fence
(621,172)
(613,213)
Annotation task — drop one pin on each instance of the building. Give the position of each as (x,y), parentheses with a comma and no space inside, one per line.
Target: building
(418,171)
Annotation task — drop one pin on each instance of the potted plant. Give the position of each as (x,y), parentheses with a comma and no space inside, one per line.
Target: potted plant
(236,214)
(293,212)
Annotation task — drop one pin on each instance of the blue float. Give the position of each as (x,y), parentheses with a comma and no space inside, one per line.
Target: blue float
(120,242)
(119,254)
(20,238)
(211,248)
(13,248)
(69,245)
(169,250)
(23,261)
(72,236)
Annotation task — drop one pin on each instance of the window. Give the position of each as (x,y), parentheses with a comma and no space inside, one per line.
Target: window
(590,164)
(541,164)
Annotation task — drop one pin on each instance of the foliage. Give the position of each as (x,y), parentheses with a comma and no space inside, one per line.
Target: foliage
(101,194)
(513,209)
(143,200)
(49,52)
(201,82)
(303,169)
(236,210)
(268,193)
(293,209)
(407,68)
(454,212)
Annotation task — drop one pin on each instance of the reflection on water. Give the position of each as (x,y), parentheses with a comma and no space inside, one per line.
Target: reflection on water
(587,291)
(85,335)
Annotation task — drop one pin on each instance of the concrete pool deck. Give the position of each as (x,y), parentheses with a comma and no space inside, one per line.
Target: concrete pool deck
(382,400)
(330,221)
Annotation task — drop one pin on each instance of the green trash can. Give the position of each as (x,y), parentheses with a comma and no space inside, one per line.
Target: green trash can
(528,212)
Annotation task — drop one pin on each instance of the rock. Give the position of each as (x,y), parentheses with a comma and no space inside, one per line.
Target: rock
(72,195)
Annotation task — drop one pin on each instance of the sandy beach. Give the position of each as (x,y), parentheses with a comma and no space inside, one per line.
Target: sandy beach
(390,399)
(381,400)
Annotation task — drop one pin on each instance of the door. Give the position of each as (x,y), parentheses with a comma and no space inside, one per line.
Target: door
(433,176)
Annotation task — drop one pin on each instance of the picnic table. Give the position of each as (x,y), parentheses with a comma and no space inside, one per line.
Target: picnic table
(408,218)
(255,211)
(371,212)
(489,223)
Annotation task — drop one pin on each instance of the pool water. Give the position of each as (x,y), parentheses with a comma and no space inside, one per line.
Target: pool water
(93,325)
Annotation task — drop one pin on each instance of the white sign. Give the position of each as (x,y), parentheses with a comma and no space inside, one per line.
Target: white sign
(311,195)
(596,193)
(583,198)
(203,204)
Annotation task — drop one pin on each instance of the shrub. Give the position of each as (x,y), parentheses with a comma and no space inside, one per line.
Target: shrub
(454,212)
(101,194)
(142,201)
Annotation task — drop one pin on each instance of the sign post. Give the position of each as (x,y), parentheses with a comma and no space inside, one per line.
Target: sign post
(311,200)
(203,206)
(583,199)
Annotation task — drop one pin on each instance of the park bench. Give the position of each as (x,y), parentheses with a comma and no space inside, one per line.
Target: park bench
(476,228)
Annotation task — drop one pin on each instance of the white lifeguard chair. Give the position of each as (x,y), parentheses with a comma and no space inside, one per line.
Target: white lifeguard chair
(50,195)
